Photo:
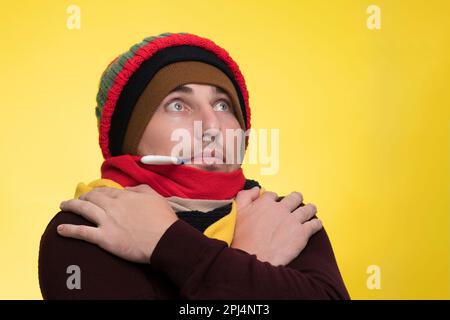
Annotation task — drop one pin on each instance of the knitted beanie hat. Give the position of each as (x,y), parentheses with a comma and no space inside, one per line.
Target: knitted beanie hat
(135,83)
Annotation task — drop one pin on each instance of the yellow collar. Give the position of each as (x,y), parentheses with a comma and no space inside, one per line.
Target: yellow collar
(222,229)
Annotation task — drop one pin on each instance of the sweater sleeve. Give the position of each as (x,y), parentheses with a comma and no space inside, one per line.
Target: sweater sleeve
(205,268)
(75,269)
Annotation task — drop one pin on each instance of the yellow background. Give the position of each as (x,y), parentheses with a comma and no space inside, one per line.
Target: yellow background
(363,117)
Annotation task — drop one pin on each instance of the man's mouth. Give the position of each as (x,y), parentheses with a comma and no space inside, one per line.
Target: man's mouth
(207,157)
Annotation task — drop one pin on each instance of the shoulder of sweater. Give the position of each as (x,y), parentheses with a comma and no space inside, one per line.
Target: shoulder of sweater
(103,275)
(250,183)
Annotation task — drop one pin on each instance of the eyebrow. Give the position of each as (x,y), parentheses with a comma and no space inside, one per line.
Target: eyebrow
(183,88)
(219,90)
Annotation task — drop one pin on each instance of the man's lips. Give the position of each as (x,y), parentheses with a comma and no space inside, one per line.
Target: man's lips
(207,158)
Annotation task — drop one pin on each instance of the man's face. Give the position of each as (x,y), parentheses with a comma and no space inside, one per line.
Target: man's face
(183,108)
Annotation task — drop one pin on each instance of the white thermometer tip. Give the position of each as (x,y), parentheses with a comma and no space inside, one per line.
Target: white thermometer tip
(155,159)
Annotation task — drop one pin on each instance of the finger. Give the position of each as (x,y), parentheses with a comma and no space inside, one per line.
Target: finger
(292,200)
(81,232)
(269,195)
(305,213)
(311,227)
(246,197)
(86,209)
(142,188)
(101,198)
(105,191)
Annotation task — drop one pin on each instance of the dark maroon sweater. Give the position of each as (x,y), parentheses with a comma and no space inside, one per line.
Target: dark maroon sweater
(185,265)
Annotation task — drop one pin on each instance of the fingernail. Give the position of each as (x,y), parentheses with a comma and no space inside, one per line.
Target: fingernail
(60,227)
(62,204)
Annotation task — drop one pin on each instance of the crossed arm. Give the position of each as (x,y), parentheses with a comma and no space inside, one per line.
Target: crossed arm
(187,264)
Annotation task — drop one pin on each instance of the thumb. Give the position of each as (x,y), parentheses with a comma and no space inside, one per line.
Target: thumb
(246,197)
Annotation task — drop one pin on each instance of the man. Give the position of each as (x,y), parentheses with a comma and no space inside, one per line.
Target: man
(195,229)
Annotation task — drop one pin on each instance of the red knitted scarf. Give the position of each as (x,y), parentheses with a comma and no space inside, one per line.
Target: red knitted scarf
(173,180)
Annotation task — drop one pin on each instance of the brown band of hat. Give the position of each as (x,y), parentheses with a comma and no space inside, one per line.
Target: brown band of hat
(164,81)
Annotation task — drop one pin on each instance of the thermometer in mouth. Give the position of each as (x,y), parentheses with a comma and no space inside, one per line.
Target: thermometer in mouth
(156,159)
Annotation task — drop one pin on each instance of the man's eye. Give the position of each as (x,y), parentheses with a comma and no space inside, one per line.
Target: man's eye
(175,106)
(221,106)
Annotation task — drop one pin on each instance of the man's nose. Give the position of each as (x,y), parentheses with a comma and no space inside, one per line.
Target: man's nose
(210,121)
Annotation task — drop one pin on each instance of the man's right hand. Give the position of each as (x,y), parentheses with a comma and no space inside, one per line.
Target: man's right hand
(275,231)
